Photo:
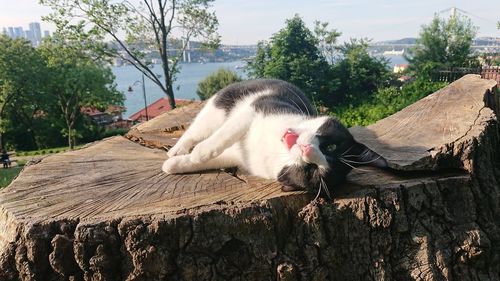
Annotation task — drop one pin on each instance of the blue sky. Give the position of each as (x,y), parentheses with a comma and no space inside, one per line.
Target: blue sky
(248,21)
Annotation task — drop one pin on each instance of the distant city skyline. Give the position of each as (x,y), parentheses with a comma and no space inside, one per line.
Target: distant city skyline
(243,22)
(32,34)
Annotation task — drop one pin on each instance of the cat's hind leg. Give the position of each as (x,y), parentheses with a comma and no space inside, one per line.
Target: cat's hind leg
(205,124)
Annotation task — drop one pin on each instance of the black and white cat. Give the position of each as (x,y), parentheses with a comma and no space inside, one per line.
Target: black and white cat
(269,129)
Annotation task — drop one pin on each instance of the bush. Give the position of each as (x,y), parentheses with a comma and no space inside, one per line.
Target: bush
(357,75)
(385,102)
(215,82)
(114,132)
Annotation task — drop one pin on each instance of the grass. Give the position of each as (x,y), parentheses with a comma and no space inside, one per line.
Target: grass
(7,175)
(45,151)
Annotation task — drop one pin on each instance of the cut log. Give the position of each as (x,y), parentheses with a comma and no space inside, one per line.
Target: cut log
(107,212)
(419,136)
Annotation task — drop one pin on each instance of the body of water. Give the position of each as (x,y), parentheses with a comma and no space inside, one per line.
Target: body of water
(187,81)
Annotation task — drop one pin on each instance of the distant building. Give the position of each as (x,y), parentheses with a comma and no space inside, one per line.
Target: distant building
(36,32)
(11,32)
(46,33)
(29,37)
(157,108)
(112,114)
(399,68)
(32,34)
(101,118)
(18,32)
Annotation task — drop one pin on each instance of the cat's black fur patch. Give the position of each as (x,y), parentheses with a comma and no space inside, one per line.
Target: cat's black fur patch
(284,97)
(333,131)
(308,177)
(347,154)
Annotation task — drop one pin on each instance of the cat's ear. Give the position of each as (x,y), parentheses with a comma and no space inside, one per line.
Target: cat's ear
(360,155)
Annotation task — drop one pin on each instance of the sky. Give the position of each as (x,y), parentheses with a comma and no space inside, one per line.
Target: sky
(244,22)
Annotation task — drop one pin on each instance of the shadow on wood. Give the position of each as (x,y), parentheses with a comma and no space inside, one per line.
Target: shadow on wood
(107,212)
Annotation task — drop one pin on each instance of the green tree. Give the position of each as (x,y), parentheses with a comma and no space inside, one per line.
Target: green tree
(443,43)
(255,66)
(292,55)
(215,82)
(147,26)
(22,87)
(77,81)
(327,40)
(357,75)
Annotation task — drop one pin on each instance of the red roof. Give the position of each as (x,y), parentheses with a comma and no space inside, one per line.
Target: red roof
(156,108)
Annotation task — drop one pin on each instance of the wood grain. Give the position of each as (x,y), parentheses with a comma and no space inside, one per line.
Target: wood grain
(107,212)
(415,137)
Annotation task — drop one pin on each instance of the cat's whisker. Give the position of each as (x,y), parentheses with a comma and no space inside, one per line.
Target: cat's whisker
(325,188)
(298,107)
(347,150)
(355,168)
(319,192)
(300,98)
(361,155)
(358,162)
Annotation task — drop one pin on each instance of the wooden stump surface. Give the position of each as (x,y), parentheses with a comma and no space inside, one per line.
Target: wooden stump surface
(120,178)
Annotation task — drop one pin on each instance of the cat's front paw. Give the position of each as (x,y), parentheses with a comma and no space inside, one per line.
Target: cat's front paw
(173,165)
(201,154)
(179,148)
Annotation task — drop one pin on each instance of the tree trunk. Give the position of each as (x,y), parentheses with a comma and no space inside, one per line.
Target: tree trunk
(71,144)
(170,95)
(107,212)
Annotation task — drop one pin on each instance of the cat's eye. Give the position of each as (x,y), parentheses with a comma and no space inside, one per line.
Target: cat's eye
(330,148)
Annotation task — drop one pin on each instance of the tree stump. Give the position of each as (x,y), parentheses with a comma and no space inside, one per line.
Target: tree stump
(107,212)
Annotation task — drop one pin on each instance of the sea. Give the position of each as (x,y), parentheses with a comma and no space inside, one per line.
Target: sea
(185,85)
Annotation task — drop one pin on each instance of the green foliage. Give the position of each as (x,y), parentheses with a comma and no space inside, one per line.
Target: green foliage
(385,102)
(114,132)
(52,150)
(7,175)
(357,74)
(443,43)
(327,40)
(215,82)
(292,55)
(42,91)
(77,81)
(22,89)
(329,74)
(136,29)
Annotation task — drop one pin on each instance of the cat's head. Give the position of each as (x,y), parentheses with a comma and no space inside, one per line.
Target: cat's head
(322,152)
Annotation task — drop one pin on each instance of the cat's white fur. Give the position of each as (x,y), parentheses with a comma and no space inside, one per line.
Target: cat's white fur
(246,139)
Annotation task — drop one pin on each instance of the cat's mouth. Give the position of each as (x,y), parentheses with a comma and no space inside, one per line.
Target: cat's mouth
(290,138)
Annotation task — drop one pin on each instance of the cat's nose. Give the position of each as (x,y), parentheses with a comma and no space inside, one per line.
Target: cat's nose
(307,149)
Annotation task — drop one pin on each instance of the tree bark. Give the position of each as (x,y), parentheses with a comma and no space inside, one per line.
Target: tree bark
(107,212)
